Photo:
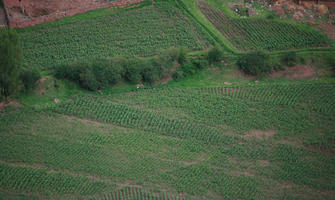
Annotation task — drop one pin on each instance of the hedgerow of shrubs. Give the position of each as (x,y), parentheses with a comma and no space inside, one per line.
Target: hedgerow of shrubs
(98,74)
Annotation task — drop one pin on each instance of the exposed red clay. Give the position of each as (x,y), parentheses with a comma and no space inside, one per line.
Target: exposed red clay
(295,73)
(31,12)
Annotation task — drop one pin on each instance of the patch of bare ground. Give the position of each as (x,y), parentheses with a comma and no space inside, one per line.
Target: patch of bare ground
(297,72)
(57,100)
(320,149)
(329,29)
(40,86)
(260,134)
(3,105)
(38,8)
(86,121)
(201,158)
(245,172)
(51,170)
(263,163)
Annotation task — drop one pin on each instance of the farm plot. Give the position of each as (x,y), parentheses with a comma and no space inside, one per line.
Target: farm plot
(102,110)
(262,34)
(136,32)
(173,143)
(285,108)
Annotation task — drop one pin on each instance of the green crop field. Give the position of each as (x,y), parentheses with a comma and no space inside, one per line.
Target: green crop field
(136,32)
(262,34)
(247,142)
(194,127)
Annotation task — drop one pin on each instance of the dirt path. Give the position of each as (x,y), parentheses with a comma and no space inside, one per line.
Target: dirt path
(3,21)
(329,29)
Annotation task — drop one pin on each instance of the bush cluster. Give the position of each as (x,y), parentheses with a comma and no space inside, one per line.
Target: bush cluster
(99,74)
(254,63)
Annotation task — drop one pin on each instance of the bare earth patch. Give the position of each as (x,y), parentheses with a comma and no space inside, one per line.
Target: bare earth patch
(263,163)
(39,8)
(3,105)
(295,73)
(329,30)
(260,134)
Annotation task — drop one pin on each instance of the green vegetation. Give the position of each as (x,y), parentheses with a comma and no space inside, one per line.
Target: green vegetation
(254,63)
(169,141)
(262,34)
(141,32)
(88,129)
(100,74)
(11,59)
(13,78)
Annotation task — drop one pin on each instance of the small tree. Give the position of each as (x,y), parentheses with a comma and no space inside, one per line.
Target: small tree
(254,63)
(214,55)
(11,59)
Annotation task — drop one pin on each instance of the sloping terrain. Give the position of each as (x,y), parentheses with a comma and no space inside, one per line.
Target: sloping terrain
(215,143)
(136,32)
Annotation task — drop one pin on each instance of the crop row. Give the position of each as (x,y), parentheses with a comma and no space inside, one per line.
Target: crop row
(318,97)
(135,193)
(136,32)
(28,179)
(99,109)
(251,34)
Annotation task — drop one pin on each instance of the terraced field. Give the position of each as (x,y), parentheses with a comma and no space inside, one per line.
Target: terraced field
(173,143)
(135,32)
(263,34)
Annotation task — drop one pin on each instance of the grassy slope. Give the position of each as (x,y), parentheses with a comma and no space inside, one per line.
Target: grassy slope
(193,8)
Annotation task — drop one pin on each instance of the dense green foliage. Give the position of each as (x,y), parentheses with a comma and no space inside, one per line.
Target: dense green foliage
(289,59)
(99,74)
(139,32)
(93,75)
(254,63)
(262,140)
(263,34)
(29,78)
(10,62)
(215,55)
(164,143)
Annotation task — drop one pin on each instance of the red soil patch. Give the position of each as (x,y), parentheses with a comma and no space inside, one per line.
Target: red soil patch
(295,73)
(37,8)
(3,21)
(260,134)
(23,13)
(3,105)
(329,30)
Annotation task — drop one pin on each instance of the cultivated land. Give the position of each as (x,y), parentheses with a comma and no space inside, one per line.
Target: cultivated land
(135,32)
(263,34)
(217,134)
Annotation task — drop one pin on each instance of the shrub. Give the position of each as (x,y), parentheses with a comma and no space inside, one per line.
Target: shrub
(254,63)
(214,55)
(271,15)
(189,69)
(99,68)
(181,58)
(88,80)
(29,78)
(11,59)
(165,59)
(177,75)
(133,70)
(200,63)
(289,59)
